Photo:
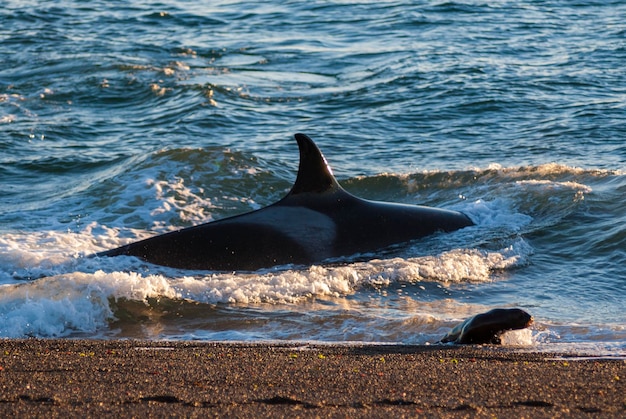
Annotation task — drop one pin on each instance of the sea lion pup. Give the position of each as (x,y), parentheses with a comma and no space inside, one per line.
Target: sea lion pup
(488,327)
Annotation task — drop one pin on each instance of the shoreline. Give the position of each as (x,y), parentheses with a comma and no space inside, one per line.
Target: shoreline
(72,378)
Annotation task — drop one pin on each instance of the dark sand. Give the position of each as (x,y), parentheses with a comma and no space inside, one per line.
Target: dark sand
(85,378)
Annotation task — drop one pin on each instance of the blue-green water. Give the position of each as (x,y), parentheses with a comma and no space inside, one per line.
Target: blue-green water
(126,119)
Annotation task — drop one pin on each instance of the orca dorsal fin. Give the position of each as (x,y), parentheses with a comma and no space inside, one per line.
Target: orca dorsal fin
(314,173)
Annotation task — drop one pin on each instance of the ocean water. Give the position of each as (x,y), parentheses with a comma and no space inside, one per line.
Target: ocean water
(123,120)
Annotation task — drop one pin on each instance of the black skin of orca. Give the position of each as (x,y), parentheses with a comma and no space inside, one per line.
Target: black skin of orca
(317,220)
(488,327)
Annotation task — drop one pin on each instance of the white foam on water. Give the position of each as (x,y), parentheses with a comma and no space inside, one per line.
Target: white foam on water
(77,302)
(175,197)
(496,213)
(523,337)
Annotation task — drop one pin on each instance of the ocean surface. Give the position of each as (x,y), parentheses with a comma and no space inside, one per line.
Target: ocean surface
(122,120)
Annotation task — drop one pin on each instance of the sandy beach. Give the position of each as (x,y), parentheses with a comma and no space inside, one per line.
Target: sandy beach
(88,378)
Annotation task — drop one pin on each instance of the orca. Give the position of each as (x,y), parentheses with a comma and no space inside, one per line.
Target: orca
(317,220)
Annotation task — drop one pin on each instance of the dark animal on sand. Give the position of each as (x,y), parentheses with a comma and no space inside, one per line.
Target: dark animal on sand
(317,220)
(488,327)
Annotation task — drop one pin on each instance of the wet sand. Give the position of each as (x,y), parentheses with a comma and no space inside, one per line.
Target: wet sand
(87,378)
